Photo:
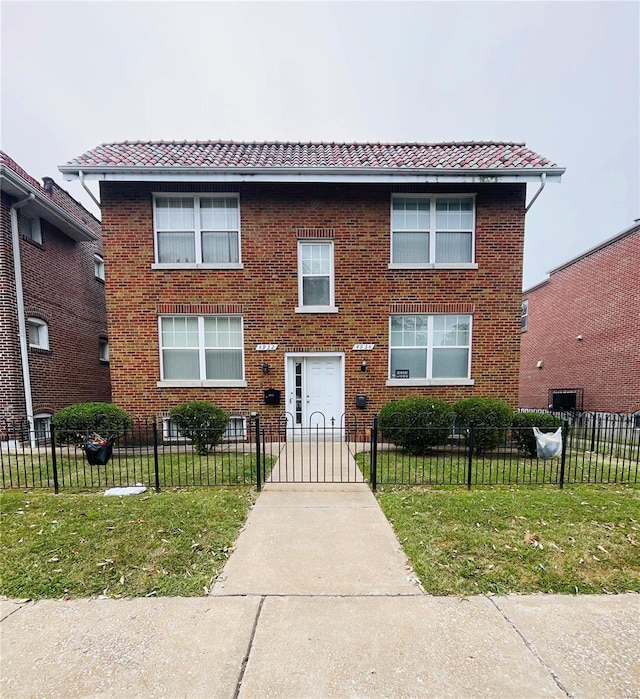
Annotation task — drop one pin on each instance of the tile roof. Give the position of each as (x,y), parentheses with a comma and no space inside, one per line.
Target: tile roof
(55,194)
(230,154)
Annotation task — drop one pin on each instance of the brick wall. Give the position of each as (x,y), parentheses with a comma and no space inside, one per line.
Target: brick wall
(267,290)
(597,298)
(59,286)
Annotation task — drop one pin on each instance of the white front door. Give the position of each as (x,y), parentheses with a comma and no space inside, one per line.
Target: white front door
(315,391)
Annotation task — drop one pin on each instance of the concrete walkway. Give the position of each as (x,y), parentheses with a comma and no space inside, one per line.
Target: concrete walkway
(317,600)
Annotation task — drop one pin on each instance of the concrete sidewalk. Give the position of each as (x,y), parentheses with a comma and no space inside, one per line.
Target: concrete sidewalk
(317,600)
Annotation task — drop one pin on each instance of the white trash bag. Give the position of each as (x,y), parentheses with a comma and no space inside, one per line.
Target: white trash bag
(549,445)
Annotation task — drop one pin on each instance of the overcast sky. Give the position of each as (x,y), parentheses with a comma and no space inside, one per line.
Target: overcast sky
(564,77)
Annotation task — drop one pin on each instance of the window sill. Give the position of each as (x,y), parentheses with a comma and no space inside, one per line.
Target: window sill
(433,265)
(207,383)
(39,350)
(429,382)
(196,265)
(317,309)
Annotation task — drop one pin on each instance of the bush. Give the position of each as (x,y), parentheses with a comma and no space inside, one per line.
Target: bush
(200,421)
(523,424)
(75,422)
(489,418)
(416,424)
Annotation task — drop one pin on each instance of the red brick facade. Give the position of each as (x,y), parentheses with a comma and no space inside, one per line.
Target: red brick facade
(273,218)
(60,288)
(584,326)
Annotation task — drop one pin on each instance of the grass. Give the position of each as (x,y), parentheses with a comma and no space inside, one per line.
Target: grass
(80,545)
(583,539)
(450,467)
(176,468)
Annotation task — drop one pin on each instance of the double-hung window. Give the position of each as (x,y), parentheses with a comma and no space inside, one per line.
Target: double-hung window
(197,231)
(429,349)
(432,231)
(201,351)
(315,277)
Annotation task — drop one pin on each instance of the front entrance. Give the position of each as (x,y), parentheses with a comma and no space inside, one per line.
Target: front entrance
(315,392)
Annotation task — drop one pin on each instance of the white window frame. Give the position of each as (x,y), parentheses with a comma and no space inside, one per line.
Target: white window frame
(32,229)
(331,307)
(524,316)
(428,381)
(201,383)
(198,264)
(432,264)
(98,267)
(41,420)
(43,333)
(103,349)
(171,433)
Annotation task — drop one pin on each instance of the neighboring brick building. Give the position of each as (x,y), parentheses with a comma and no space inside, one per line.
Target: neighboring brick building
(336,274)
(580,343)
(53,283)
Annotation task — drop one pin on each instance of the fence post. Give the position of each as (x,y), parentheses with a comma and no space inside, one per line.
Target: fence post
(563,457)
(470,458)
(258,452)
(156,464)
(374,454)
(54,460)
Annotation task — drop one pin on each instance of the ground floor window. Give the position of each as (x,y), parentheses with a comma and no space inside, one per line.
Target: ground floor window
(201,348)
(429,347)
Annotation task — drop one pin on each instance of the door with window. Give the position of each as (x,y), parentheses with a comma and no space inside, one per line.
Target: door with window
(315,391)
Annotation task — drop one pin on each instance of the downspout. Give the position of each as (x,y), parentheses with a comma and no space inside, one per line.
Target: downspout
(22,325)
(87,190)
(543,181)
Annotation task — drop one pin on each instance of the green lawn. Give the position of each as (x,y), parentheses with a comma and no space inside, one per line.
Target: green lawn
(583,539)
(450,467)
(128,467)
(80,545)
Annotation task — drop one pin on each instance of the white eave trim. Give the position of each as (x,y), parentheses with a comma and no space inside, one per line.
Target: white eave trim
(44,207)
(310,174)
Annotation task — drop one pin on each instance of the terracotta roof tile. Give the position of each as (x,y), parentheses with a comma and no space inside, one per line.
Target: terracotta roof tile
(221,154)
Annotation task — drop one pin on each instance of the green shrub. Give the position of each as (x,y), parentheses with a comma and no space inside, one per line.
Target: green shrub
(416,424)
(73,423)
(523,424)
(200,421)
(489,417)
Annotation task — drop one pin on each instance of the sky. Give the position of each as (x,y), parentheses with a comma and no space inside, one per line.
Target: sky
(564,77)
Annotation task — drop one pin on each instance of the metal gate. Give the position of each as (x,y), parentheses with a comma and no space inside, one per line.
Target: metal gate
(319,451)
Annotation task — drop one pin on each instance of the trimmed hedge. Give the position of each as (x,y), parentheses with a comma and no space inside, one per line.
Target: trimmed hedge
(523,424)
(488,417)
(200,421)
(73,423)
(416,424)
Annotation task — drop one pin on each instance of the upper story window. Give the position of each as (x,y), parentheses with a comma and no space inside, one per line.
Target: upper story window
(201,350)
(32,230)
(98,267)
(432,231)
(429,349)
(315,277)
(524,318)
(38,333)
(197,231)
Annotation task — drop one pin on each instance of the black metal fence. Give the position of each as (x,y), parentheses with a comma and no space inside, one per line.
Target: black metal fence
(596,449)
(148,452)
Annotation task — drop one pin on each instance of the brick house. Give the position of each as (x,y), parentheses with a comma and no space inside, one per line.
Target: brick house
(580,345)
(315,279)
(53,325)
